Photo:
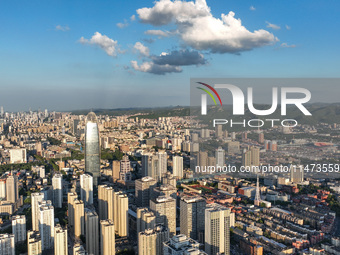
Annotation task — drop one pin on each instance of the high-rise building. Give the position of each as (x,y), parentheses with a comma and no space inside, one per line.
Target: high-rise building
(177,166)
(297,174)
(165,210)
(107,237)
(146,219)
(91,231)
(162,165)
(92,149)
(150,241)
(125,169)
(170,179)
(105,202)
(261,138)
(115,169)
(75,127)
(121,207)
(78,249)
(192,216)
(35,199)
(7,244)
(217,229)
(2,189)
(34,243)
(79,228)
(57,185)
(220,157)
(2,112)
(19,228)
(143,189)
(46,226)
(12,189)
(86,189)
(218,131)
(60,241)
(164,190)
(182,245)
(251,157)
(71,197)
(202,159)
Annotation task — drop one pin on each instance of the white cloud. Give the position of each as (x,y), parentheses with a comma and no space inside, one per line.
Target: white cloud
(143,50)
(122,25)
(150,67)
(286,45)
(252,8)
(133,18)
(160,33)
(199,29)
(288,27)
(62,28)
(109,45)
(273,26)
(180,58)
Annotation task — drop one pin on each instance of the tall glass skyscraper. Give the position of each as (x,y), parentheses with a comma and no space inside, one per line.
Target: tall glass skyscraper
(92,150)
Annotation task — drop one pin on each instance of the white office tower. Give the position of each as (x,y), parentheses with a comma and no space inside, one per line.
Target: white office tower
(150,241)
(105,202)
(57,182)
(121,208)
(19,228)
(35,199)
(162,164)
(297,174)
(34,243)
(60,241)
(181,245)
(86,189)
(107,237)
(78,249)
(91,231)
(165,211)
(177,166)
(220,157)
(146,219)
(217,230)
(46,226)
(7,245)
(2,189)
(12,189)
(192,217)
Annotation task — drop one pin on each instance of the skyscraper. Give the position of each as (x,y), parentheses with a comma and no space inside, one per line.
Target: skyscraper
(121,207)
(12,190)
(46,226)
(150,241)
(71,196)
(125,169)
(57,186)
(105,202)
(177,166)
(143,189)
(7,245)
(192,216)
(107,237)
(92,149)
(79,228)
(19,228)
(60,241)
(220,157)
(35,199)
(146,219)
(91,231)
(217,233)
(165,210)
(3,189)
(34,243)
(78,249)
(297,174)
(86,189)
(162,164)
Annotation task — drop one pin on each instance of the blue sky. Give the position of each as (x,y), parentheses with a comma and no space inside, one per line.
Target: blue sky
(65,55)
